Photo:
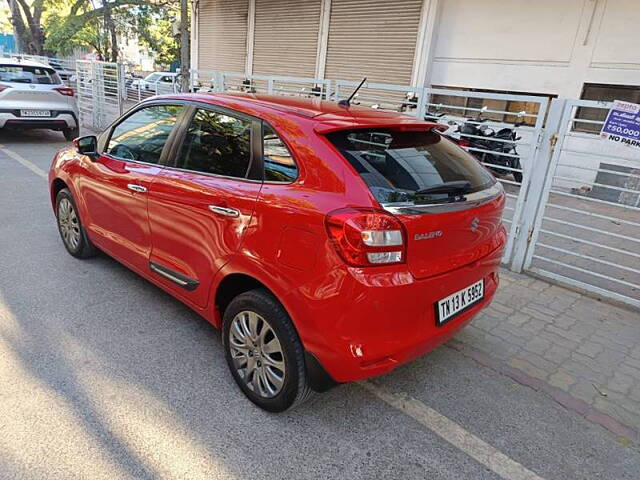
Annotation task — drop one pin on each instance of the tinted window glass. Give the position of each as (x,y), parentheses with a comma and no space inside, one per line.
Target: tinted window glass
(278,162)
(141,136)
(400,166)
(27,74)
(217,143)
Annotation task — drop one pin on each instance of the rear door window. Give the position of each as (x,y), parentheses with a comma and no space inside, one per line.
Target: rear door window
(218,144)
(410,166)
(29,74)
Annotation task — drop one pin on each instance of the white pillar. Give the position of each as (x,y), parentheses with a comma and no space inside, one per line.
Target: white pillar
(323,38)
(195,10)
(425,43)
(251,29)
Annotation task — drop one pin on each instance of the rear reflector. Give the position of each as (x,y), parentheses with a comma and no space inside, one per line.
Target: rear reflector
(366,237)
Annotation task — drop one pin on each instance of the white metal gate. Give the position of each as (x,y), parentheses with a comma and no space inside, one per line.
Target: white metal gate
(100,93)
(585,223)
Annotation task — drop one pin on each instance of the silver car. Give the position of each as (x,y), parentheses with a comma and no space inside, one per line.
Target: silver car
(33,96)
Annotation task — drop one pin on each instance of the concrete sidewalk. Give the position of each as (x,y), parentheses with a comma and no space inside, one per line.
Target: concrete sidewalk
(583,352)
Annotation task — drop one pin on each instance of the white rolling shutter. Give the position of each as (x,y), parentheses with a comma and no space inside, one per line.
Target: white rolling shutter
(286,37)
(374,39)
(222,35)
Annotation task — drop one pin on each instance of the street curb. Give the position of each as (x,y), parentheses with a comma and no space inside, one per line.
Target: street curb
(565,399)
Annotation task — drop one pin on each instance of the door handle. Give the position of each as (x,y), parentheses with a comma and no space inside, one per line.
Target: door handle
(137,188)
(227,212)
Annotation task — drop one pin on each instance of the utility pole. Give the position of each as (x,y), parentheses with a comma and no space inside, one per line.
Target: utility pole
(185,64)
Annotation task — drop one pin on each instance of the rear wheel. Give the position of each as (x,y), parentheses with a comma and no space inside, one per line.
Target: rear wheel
(74,237)
(71,133)
(263,352)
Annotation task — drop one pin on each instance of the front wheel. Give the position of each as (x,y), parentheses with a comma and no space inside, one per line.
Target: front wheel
(74,237)
(263,352)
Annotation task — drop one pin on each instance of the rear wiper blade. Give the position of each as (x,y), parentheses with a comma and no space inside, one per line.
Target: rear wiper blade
(457,187)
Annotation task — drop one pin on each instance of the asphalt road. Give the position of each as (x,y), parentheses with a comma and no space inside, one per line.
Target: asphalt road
(102,375)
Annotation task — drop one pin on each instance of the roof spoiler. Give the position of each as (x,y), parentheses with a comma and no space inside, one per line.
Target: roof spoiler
(324,128)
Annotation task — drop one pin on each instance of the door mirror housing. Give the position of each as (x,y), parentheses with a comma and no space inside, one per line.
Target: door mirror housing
(87,145)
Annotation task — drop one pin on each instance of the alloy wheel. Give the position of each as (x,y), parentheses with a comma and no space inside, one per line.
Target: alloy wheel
(69,224)
(257,354)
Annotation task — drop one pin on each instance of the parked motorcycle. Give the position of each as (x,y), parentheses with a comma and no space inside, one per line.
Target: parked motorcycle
(476,135)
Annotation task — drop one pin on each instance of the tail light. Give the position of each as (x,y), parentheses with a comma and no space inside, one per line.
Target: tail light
(3,87)
(65,91)
(464,143)
(365,237)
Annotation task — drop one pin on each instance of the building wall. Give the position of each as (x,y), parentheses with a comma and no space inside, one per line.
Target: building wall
(544,46)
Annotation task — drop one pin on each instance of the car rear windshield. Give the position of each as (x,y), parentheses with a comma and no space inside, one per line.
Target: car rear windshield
(28,74)
(418,167)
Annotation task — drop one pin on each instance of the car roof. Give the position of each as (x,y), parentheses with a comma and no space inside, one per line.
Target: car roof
(16,62)
(329,115)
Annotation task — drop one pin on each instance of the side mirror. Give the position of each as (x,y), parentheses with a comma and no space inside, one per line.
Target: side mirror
(86,145)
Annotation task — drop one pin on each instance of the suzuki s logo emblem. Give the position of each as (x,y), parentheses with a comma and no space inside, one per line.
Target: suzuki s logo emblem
(428,235)
(474,224)
(32,87)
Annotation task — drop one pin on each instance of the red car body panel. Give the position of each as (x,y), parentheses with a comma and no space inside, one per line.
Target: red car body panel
(357,321)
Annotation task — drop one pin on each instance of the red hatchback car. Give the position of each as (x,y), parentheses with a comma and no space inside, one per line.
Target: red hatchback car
(330,243)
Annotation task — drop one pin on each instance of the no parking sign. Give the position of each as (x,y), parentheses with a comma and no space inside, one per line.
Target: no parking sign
(623,124)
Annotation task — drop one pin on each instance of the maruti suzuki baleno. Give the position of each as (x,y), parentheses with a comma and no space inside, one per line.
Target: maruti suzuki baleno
(329,243)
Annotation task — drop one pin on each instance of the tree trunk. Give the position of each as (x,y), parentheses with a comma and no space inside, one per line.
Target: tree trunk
(19,28)
(110,27)
(33,40)
(185,63)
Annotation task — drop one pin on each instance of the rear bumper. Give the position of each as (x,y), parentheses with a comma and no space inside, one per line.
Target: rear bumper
(58,120)
(377,321)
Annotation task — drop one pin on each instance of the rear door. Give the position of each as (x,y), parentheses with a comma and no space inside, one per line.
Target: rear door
(202,203)
(450,206)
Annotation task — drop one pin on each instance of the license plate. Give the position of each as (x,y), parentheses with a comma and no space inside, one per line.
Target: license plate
(455,303)
(35,113)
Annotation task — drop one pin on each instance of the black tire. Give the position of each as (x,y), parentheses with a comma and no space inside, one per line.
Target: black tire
(83,248)
(71,133)
(295,388)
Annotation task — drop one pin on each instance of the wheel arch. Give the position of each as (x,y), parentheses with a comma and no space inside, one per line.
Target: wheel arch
(56,185)
(235,283)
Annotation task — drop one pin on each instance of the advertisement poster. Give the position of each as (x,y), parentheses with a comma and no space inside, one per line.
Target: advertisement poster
(623,124)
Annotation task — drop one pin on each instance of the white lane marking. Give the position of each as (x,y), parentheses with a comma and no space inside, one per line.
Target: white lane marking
(24,162)
(453,433)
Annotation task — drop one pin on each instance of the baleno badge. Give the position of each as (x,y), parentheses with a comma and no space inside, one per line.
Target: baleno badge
(428,235)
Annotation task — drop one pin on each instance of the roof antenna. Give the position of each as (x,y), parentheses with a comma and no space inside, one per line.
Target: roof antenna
(347,102)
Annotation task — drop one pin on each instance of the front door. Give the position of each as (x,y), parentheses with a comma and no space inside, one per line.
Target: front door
(202,203)
(116,185)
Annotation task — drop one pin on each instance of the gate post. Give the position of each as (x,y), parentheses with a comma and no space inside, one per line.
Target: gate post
(535,194)
(122,88)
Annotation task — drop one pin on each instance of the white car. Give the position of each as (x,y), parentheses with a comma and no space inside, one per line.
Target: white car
(32,95)
(157,82)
